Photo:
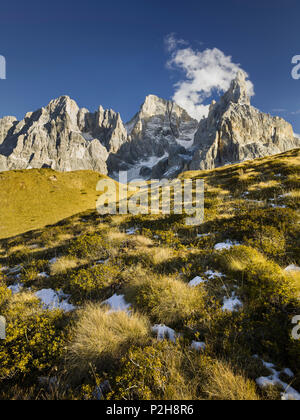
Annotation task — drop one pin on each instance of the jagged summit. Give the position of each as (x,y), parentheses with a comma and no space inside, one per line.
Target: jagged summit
(235,131)
(159,141)
(159,135)
(61,136)
(238,91)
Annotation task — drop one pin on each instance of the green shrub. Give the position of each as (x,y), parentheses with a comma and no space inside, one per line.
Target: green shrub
(263,281)
(269,240)
(92,283)
(152,373)
(89,246)
(34,342)
(167,371)
(30,272)
(5,293)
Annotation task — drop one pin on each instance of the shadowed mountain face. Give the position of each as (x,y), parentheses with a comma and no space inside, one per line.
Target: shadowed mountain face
(161,140)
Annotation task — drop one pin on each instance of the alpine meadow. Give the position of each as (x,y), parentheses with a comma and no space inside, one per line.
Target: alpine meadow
(150,246)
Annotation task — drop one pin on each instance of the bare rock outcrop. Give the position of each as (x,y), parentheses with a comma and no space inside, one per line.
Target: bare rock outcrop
(235,131)
(160,130)
(62,137)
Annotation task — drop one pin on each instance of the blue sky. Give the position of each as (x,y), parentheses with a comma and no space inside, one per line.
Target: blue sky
(113,53)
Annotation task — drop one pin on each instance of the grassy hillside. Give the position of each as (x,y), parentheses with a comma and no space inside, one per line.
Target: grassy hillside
(35,198)
(221,289)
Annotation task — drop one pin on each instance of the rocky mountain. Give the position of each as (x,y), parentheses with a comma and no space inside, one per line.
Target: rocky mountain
(62,137)
(65,138)
(235,131)
(161,140)
(160,136)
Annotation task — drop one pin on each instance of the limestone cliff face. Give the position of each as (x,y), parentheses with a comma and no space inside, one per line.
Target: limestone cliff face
(235,131)
(62,137)
(161,130)
(160,140)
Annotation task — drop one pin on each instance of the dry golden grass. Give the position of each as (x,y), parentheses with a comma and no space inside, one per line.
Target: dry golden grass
(64,237)
(115,237)
(238,259)
(25,303)
(161,255)
(224,384)
(165,299)
(116,220)
(31,199)
(217,191)
(139,241)
(100,335)
(18,248)
(64,264)
(263,185)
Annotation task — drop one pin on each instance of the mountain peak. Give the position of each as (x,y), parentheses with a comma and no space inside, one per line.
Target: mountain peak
(153,105)
(64,105)
(239,91)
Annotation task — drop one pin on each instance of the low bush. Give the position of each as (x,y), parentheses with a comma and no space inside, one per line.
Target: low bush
(34,342)
(90,283)
(89,246)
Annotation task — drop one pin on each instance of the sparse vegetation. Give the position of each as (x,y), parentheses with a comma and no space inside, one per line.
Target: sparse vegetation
(241,302)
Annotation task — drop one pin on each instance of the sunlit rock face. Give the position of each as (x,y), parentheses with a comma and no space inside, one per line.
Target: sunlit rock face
(235,131)
(62,137)
(160,141)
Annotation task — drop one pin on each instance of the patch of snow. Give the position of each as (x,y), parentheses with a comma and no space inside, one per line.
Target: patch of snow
(34,246)
(288,372)
(214,274)
(292,267)
(172,170)
(199,346)
(54,300)
(117,303)
(231,304)
(203,235)
(15,270)
(225,245)
(276,206)
(196,281)
(163,332)
(274,379)
(53,260)
(16,288)
(43,275)
(131,231)
(102,261)
(134,172)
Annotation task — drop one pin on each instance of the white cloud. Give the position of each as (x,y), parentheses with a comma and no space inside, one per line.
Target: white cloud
(172,43)
(205,72)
